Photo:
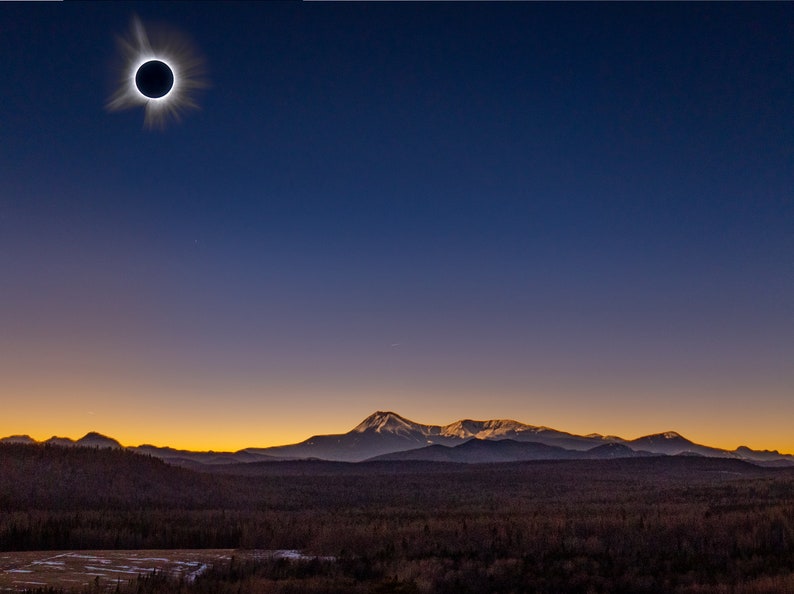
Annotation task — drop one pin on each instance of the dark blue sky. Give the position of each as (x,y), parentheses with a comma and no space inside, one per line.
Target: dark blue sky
(578,215)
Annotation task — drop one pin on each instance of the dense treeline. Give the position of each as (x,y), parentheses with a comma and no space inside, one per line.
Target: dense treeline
(54,477)
(648,525)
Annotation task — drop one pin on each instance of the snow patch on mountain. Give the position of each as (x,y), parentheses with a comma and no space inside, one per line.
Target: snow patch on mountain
(671,435)
(468,428)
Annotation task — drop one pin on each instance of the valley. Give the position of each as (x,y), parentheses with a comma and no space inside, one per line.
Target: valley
(645,524)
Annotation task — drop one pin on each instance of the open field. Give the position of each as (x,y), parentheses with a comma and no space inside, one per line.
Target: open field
(20,571)
(30,569)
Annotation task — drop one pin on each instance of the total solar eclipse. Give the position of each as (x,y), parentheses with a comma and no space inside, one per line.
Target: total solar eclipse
(161,71)
(154,79)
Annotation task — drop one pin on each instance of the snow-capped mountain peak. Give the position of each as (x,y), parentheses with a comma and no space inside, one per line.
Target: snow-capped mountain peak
(388,422)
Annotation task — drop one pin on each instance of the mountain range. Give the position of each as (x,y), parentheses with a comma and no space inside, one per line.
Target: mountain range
(387,436)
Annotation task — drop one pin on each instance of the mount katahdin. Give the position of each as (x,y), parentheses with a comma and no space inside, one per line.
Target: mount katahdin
(388,436)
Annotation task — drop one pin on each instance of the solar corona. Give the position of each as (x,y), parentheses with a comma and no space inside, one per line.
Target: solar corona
(161,72)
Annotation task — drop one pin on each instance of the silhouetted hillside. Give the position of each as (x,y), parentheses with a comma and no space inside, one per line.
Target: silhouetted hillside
(58,477)
(480,451)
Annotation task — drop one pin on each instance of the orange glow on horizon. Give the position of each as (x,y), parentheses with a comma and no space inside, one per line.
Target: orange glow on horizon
(205,410)
(204,436)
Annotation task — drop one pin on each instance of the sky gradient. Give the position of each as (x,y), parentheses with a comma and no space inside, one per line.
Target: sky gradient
(578,216)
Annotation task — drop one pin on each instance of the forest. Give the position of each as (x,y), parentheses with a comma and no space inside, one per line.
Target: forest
(667,524)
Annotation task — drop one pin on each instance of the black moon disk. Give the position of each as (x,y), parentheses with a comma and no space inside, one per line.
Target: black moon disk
(154,79)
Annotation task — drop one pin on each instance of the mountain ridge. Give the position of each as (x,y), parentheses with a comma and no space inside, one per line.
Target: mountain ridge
(386,433)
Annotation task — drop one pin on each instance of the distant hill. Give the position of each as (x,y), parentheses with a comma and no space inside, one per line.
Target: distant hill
(190,459)
(616,450)
(89,440)
(478,451)
(672,444)
(97,440)
(18,439)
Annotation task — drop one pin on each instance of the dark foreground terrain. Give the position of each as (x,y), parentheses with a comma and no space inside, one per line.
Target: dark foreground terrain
(674,524)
